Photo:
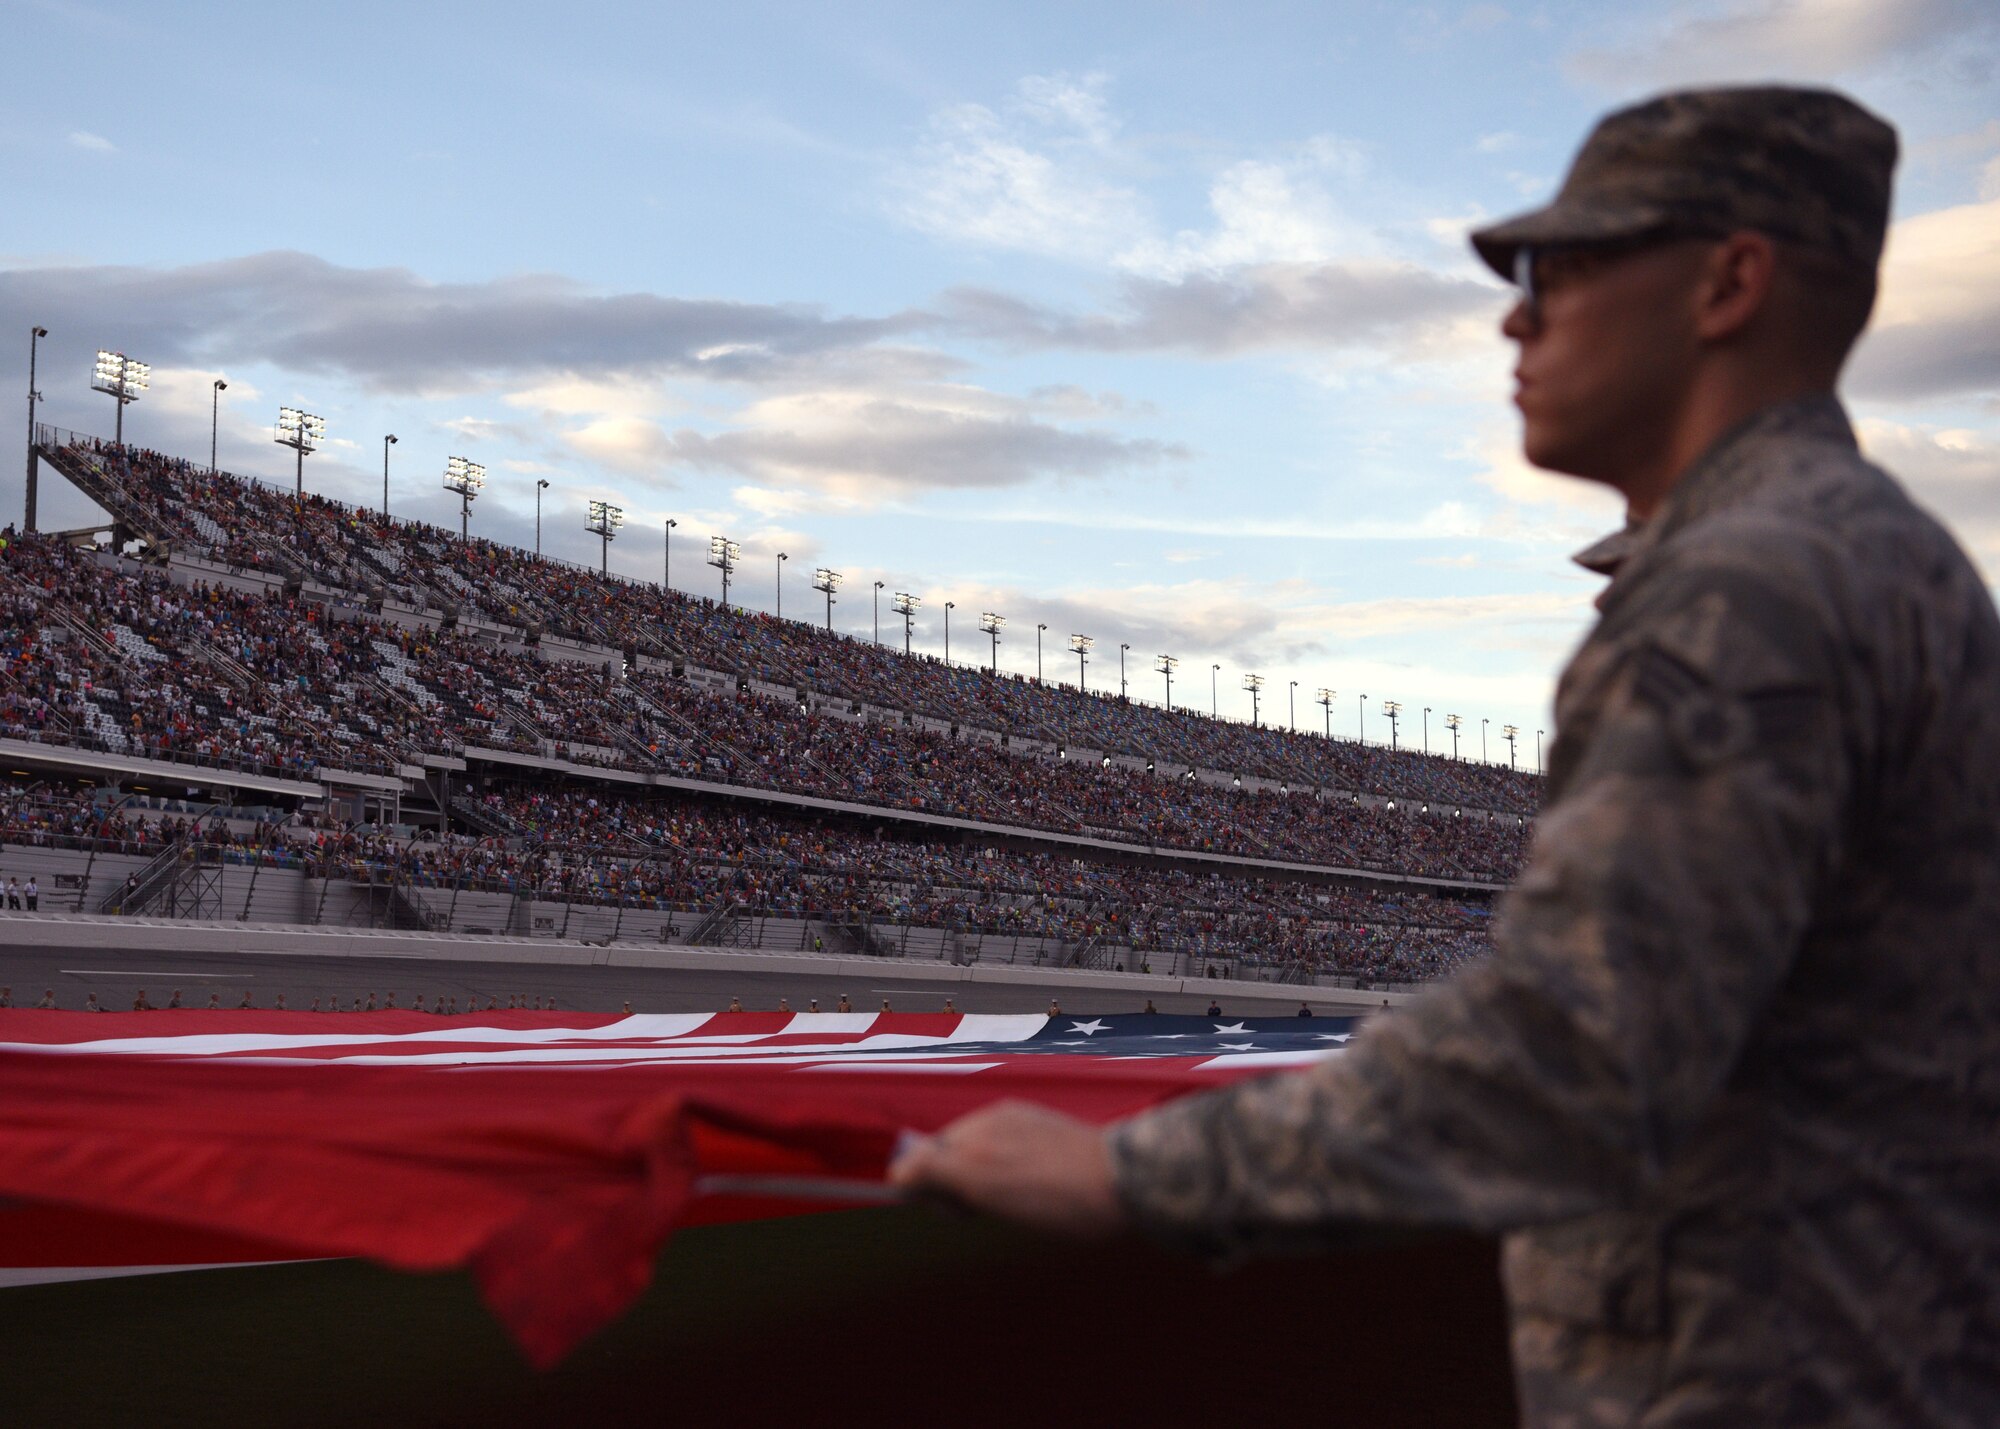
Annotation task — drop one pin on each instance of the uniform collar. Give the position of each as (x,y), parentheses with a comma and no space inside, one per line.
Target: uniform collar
(1727,473)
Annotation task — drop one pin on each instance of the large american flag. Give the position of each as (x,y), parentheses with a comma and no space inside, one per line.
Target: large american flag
(552,1153)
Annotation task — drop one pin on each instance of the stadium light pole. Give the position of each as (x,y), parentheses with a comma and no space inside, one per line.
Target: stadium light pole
(1081,644)
(1121,670)
(387,441)
(949,607)
(667,554)
(1292,706)
(827,582)
(605,519)
(1427,729)
(778,584)
(121,379)
(1394,710)
(1452,722)
(1361,718)
(1510,733)
(35,335)
(1255,685)
(1168,664)
(991,622)
(878,612)
(464,476)
(302,432)
(541,485)
(215,391)
(1214,700)
(1325,698)
(1039,628)
(723,554)
(1482,743)
(905,605)
(1538,750)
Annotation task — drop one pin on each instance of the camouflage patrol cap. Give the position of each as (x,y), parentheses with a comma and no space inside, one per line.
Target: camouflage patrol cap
(1807,165)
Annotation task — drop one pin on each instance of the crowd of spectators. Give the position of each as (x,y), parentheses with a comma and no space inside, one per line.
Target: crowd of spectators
(104,652)
(570,845)
(349,548)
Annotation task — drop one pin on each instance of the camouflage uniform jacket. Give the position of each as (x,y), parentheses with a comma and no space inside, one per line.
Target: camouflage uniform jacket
(1729,1086)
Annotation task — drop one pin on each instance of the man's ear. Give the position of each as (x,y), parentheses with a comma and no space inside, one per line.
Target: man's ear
(1736,285)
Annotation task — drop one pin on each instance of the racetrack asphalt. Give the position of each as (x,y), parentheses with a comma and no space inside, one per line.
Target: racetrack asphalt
(118,976)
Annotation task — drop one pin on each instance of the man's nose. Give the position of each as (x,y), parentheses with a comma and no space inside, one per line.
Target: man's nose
(1521,322)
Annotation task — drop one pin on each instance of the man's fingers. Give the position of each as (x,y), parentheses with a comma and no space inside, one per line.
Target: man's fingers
(914,1164)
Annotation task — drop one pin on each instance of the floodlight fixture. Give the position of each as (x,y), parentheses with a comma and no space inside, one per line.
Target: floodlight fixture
(1255,685)
(464,476)
(1081,644)
(905,605)
(827,581)
(723,554)
(302,432)
(1452,722)
(605,519)
(1393,709)
(121,379)
(992,623)
(1324,697)
(1510,733)
(1168,664)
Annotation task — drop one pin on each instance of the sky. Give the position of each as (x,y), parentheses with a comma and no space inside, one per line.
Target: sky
(1151,322)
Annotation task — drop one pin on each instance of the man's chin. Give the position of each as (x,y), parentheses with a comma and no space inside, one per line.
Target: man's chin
(1548,452)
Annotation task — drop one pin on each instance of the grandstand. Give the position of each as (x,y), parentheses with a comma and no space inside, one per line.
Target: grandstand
(370,720)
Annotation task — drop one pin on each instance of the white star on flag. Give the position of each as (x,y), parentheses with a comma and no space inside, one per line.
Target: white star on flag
(1232,1027)
(1335,1036)
(1088,1029)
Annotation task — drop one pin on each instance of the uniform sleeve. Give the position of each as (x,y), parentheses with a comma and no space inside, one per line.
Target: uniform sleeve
(1703,778)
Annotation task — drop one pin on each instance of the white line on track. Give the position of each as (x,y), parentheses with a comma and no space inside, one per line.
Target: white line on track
(148,972)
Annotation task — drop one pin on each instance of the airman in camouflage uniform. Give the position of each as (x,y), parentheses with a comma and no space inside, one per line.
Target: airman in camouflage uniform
(1729,1087)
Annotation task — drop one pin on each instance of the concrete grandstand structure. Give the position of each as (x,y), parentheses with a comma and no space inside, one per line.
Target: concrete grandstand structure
(359,719)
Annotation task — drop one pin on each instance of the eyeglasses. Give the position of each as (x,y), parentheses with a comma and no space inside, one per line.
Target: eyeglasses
(1540,271)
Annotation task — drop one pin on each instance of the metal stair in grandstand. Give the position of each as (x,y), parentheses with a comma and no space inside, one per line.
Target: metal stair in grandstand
(487,819)
(859,935)
(517,715)
(697,739)
(407,908)
(80,628)
(715,926)
(55,447)
(636,747)
(144,888)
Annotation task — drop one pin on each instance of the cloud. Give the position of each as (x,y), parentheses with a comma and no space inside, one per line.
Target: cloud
(1953,472)
(95,143)
(1264,307)
(1027,177)
(390,329)
(1933,334)
(868,447)
(1800,39)
(1266,211)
